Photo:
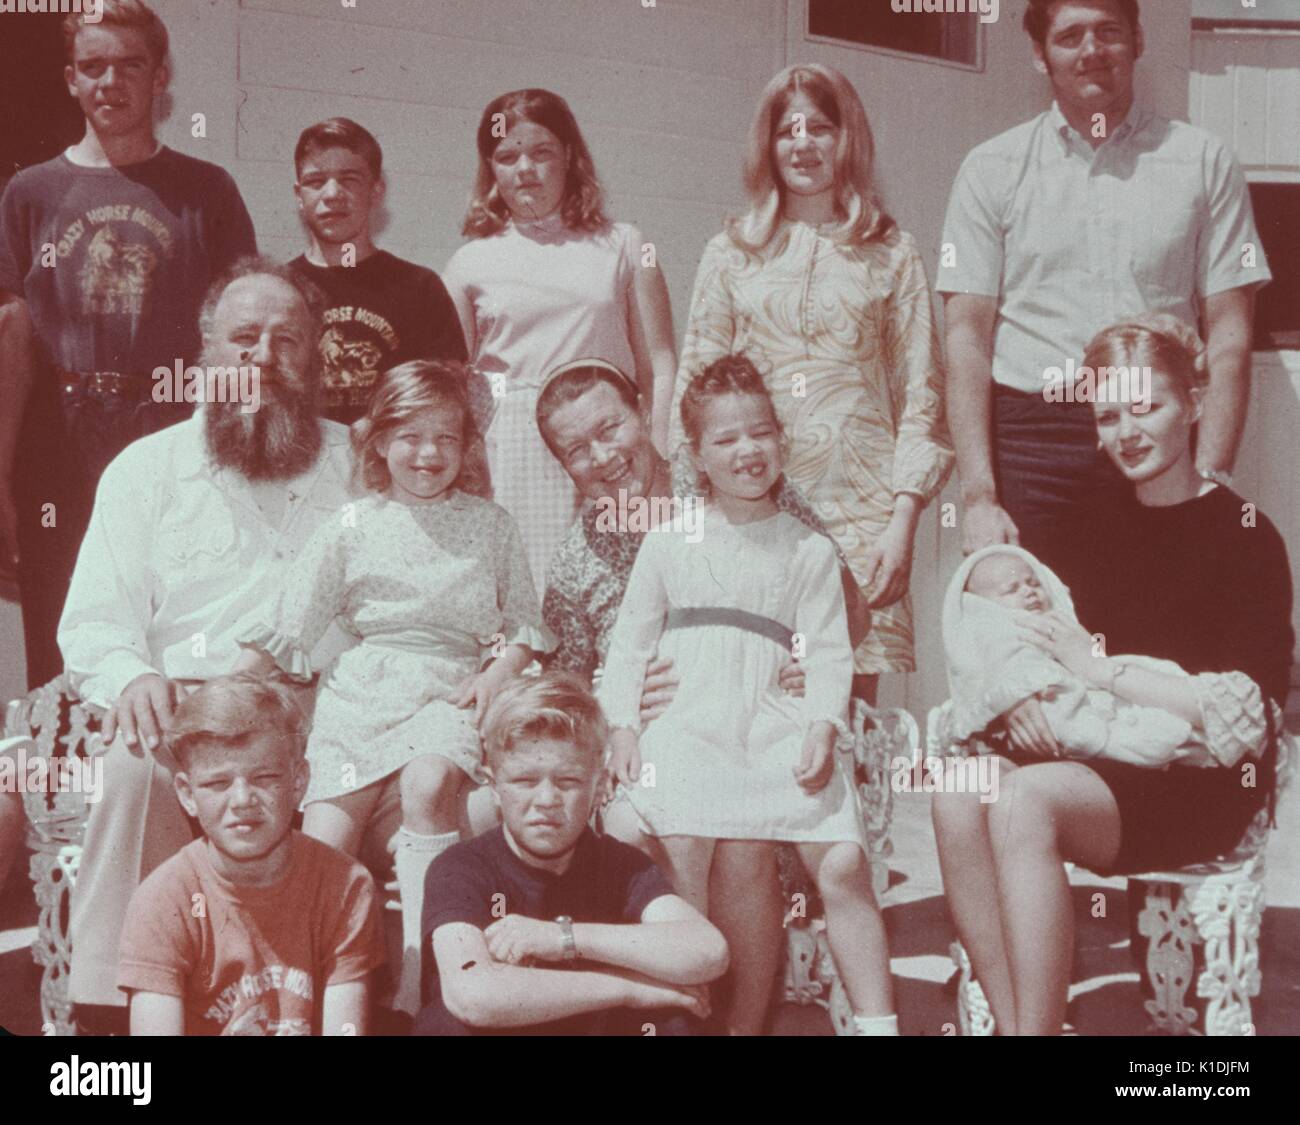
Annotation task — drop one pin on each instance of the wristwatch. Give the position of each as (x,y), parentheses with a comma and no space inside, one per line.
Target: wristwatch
(566,937)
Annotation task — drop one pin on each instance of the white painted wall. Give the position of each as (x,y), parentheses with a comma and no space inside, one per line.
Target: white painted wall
(663,96)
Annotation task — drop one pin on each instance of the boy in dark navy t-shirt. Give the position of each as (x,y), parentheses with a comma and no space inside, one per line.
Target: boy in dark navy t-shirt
(543,927)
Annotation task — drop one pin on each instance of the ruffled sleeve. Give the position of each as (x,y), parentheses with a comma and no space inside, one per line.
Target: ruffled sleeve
(314,594)
(923,454)
(293,661)
(1232,715)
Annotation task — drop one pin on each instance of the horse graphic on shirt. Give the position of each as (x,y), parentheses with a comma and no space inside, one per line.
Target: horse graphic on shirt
(115,274)
(256,1021)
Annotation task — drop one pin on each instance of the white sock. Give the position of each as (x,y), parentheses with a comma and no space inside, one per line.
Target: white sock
(876,1025)
(411,860)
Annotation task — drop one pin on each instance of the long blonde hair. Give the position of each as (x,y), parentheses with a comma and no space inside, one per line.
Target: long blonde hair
(1160,341)
(405,391)
(864,219)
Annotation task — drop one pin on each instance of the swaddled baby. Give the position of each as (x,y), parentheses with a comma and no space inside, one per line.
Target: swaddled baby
(991,668)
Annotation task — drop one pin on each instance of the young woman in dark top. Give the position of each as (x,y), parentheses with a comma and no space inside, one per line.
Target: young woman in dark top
(1186,570)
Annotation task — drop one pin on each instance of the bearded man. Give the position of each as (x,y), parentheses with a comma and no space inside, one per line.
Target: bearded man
(191,535)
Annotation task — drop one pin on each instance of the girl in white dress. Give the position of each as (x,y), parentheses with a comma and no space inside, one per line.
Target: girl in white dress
(733,757)
(434,582)
(547,278)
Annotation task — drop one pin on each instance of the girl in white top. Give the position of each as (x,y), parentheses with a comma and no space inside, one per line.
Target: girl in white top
(733,757)
(434,582)
(546,278)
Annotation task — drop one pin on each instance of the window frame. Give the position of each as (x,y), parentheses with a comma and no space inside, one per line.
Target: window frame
(977,67)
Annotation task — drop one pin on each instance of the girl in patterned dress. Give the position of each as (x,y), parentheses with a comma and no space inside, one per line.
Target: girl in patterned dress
(820,281)
(434,582)
(545,278)
(732,757)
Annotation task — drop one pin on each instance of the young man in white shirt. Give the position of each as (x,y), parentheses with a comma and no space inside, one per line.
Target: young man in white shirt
(1093,211)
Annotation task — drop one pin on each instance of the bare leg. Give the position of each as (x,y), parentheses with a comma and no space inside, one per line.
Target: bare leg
(689,859)
(431,790)
(341,821)
(12,819)
(866,688)
(854,927)
(619,820)
(1046,814)
(970,883)
(745,893)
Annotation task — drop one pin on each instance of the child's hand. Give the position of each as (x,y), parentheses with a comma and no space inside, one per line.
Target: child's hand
(817,763)
(624,765)
(516,940)
(658,689)
(480,689)
(466,694)
(792,679)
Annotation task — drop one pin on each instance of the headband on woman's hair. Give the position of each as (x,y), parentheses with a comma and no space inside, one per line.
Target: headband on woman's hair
(601,364)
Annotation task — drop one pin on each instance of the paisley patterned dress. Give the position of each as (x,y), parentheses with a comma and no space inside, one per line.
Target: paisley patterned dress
(847,343)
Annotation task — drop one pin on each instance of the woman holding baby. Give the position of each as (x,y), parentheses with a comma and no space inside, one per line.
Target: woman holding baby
(1184,571)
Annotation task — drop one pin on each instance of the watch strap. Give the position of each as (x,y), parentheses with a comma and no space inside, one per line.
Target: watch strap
(566,937)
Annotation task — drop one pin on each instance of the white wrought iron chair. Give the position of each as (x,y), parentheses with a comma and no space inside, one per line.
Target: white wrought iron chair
(56,725)
(1214,908)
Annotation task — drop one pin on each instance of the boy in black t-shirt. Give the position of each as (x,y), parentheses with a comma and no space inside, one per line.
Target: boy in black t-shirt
(543,927)
(380,310)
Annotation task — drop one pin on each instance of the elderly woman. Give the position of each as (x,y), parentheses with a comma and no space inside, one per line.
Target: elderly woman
(1186,571)
(589,414)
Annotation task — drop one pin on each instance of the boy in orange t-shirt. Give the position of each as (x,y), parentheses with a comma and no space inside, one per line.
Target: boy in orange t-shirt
(253,929)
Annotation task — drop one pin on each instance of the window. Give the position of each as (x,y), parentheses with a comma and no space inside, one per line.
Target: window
(1261,15)
(1277,311)
(951,35)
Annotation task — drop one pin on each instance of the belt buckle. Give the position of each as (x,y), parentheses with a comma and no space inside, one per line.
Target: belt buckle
(105,383)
